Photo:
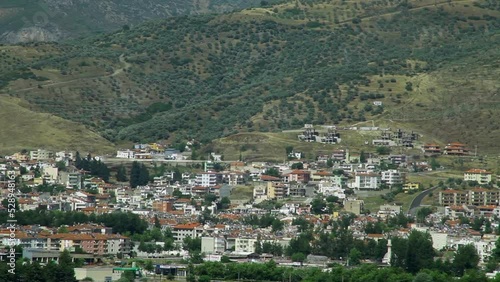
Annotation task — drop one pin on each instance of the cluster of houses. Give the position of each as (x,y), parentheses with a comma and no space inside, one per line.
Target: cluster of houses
(310,134)
(338,173)
(153,151)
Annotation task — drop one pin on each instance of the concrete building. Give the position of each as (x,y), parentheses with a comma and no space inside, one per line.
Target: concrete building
(354,206)
(182,231)
(70,179)
(245,245)
(41,155)
(392,177)
(481,176)
(213,245)
(366,181)
(206,179)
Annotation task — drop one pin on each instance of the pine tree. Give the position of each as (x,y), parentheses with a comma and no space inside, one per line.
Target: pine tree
(121,174)
(143,175)
(134,174)
(78,160)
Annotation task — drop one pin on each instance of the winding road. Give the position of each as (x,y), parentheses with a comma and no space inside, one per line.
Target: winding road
(417,201)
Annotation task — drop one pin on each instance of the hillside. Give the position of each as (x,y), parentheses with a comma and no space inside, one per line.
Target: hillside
(52,20)
(19,131)
(433,65)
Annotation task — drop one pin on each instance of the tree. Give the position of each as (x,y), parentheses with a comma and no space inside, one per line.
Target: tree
(318,206)
(298,257)
(420,253)
(65,269)
(354,256)
(362,157)
(383,150)
(277,225)
(434,164)
(224,203)
(297,166)
(149,265)
(121,174)
(157,222)
(61,165)
(272,171)
(466,257)
(139,175)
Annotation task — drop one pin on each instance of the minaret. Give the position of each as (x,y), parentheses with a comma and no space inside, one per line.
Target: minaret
(388,255)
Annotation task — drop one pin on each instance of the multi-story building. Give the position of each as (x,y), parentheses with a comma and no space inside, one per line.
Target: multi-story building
(163,206)
(181,231)
(276,190)
(70,179)
(206,179)
(453,197)
(302,176)
(41,155)
(476,197)
(431,149)
(340,155)
(392,177)
(455,148)
(481,176)
(245,245)
(354,206)
(213,245)
(366,180)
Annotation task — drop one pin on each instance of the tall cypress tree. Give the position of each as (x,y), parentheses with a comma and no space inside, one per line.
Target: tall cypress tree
(143,175)
(135,172)
(121,174)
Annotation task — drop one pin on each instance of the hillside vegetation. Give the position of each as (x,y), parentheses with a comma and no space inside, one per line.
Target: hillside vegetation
(52,20)
(25,129)
(433,65)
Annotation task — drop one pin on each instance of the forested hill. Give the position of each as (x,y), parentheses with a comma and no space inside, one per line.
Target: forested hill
(433,64)
(49,20)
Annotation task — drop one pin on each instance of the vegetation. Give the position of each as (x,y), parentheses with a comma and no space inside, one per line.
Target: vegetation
(288,64)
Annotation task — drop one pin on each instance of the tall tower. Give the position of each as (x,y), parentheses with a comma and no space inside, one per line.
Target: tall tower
(388,255)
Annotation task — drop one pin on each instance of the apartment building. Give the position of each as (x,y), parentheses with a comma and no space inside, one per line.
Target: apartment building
(206,179)
(366,181)
(476,197)
(392,177)
(181,231)
(481,176)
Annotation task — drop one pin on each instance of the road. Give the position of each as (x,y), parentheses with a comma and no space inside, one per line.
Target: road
(123,160)
(417,201)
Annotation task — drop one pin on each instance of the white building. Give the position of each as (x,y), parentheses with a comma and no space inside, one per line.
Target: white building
(181,231)
(392,177)
(366,180)
(480,175)
(245,245)
(213,245)
(206,179)
(125,154)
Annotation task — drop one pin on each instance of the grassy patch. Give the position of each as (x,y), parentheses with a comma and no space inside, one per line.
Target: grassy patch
(25,129)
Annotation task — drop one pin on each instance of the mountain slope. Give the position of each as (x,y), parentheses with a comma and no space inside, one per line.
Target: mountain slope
(267,69)
(50,20)
(25,129)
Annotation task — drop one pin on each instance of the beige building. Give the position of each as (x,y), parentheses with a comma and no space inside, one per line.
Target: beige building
(354,206)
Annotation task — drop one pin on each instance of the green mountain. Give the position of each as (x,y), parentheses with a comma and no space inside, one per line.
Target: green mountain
(432,64)
(53,20)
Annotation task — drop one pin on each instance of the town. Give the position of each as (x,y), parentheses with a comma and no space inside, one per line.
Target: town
(153,203)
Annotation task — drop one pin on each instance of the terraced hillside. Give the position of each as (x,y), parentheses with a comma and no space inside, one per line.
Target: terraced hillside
(432,64)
